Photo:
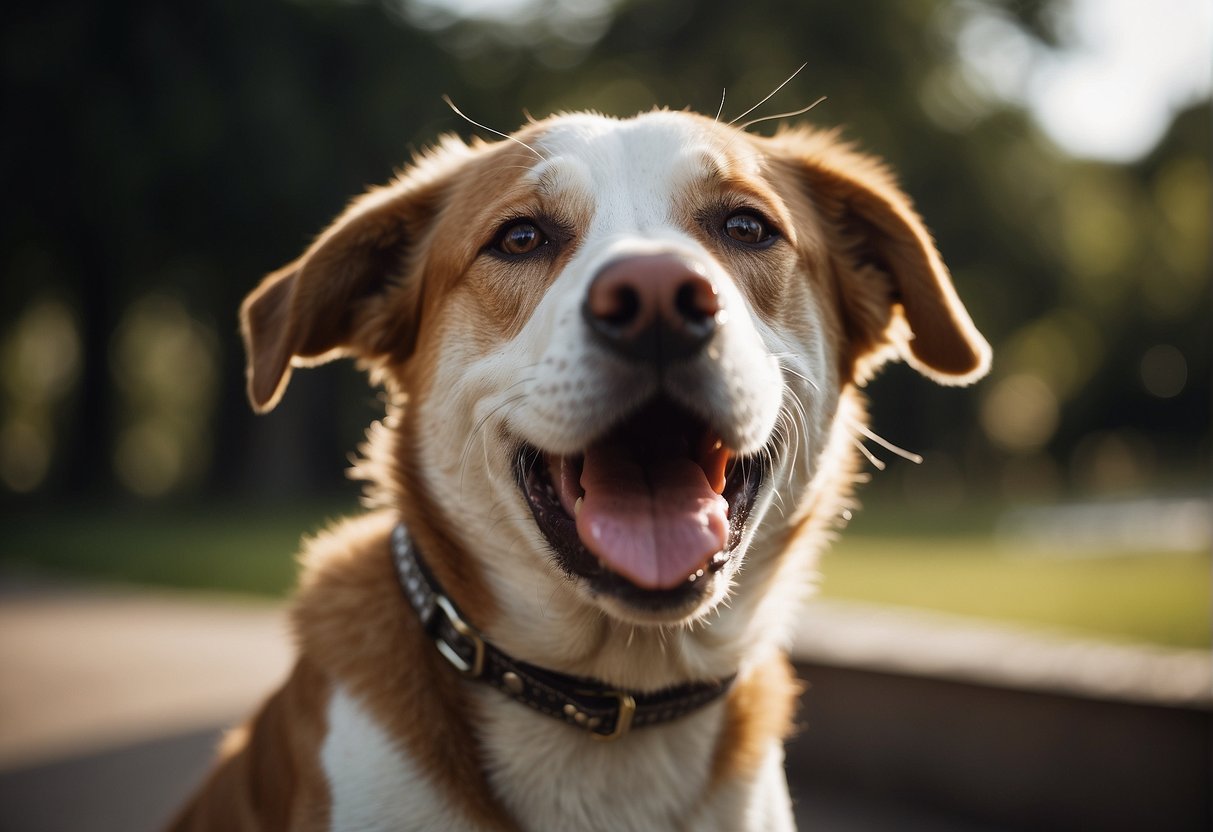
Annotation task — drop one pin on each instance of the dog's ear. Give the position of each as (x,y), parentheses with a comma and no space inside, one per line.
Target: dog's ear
(348,295)
(886,264)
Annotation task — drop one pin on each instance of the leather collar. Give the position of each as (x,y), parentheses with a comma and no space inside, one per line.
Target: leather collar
(602,710)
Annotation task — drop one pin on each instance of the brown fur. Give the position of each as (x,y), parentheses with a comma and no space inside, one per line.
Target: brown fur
(758,713)
(269,773)
(885,261)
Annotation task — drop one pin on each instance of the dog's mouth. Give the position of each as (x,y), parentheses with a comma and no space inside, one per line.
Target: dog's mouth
(649,510)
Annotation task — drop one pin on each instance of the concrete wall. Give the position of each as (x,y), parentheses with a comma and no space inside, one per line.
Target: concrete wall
(1000,758)
(1002,727)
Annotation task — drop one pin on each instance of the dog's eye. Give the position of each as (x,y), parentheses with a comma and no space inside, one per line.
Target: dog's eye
(519,237)
(746,227)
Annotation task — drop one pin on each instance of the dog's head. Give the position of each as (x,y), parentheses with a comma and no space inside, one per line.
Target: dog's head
(620,342)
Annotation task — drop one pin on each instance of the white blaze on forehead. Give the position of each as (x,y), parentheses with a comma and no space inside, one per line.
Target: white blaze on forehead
(631,188)
(632,172)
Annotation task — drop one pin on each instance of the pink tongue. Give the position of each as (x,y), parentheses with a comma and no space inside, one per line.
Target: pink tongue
(657,523)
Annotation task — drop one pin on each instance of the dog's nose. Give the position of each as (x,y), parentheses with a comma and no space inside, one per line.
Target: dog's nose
(653,308)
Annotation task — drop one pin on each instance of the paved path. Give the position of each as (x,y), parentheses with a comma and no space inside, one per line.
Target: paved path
(112,699)
(89,669)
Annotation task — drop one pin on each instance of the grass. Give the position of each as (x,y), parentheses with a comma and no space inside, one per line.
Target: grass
(223,549)
(1146,596)
(1157,597)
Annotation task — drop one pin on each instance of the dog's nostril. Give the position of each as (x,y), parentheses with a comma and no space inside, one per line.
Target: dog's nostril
(696,301)
(620,308)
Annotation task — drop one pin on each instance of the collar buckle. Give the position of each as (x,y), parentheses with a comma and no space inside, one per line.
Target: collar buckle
(472,669)
(623,722)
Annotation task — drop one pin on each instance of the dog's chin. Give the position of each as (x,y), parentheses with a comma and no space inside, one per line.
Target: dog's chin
(682,586)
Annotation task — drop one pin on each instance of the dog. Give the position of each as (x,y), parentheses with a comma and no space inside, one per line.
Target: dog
(622,361)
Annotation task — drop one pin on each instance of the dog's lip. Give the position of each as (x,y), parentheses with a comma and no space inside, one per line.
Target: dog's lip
(550,484)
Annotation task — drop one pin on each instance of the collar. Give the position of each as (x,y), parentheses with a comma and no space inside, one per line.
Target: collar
(604,711)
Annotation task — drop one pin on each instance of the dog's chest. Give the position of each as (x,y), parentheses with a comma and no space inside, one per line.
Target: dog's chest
(552,777)
(547,775)
(373,784)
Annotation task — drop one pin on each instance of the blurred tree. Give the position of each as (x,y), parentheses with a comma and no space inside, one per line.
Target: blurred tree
(189,149)
(183,151)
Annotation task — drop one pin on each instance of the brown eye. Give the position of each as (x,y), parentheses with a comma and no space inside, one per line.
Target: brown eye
(748,228)
(520,237)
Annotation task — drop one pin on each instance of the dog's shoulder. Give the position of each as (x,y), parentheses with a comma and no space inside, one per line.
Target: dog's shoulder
(351,620)
(269,775)
(342,568)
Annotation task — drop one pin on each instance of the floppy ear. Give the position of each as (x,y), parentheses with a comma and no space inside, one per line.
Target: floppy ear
(345,296)
(887,265)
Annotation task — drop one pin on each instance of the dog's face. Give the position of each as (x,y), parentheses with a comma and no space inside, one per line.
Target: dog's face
(622,343)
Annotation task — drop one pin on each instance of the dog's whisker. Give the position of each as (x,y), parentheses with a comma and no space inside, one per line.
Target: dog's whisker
(789,114)
(876,461)
(790,436)
(783,436)
(796,373)
(886,444)
(770,94)
(801,420)
(544,606)
(514,139)
(720,109)
(495,521)
(488,463)
(477,429)
(515,167)
(776,496)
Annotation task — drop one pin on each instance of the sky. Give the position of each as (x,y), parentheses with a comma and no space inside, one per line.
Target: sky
(1127,67)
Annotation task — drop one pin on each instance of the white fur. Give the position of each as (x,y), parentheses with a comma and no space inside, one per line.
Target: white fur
(766,802)
(552,776)
(373,786)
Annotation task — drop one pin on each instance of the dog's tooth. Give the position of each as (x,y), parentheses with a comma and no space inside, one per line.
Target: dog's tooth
(577,506)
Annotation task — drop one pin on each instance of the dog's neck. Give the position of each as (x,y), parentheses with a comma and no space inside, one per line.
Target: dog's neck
(714,765)
(603,710)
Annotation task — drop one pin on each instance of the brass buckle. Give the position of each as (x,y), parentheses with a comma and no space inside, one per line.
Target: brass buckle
(474,668)
(627,707)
